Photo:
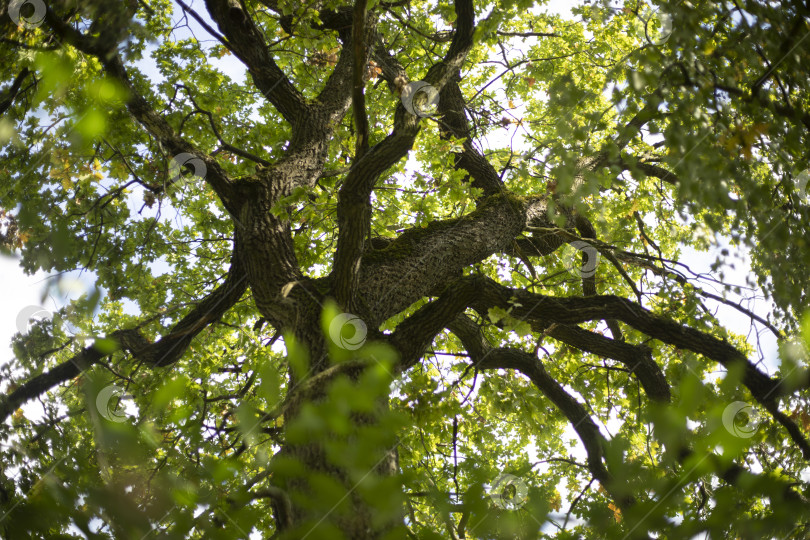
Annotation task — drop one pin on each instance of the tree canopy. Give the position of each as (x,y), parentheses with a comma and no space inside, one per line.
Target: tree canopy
(407,269)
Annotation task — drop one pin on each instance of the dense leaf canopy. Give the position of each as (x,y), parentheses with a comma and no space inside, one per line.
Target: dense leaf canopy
(403,269)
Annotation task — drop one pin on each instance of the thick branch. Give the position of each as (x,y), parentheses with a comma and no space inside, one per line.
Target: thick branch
(163,352)
(422,261)
(250,47)
(358,78)
(354,202)
(638,358)
(129,339)
(334,100)
(441,73)
(413,336)
(171,347)
(281,505)
(485,357)
(650,169)
(546,309)
(633,127)
(13,90)
(455,124)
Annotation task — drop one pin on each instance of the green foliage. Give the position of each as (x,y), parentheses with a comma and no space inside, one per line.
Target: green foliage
(180,454)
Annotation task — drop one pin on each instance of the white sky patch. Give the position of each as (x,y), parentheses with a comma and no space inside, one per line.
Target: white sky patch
(21,293)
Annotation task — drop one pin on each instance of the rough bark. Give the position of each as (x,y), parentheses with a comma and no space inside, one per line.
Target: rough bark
(380,279)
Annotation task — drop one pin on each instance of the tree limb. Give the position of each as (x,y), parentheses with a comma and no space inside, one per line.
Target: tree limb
(485,357)
(572,310)
(354,204)
(165,351)
(249,46)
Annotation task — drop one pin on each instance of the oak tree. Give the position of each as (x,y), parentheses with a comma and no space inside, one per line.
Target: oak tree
(407,269)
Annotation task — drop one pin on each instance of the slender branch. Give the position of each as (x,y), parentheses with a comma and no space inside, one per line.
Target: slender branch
(140,109)
(527,34)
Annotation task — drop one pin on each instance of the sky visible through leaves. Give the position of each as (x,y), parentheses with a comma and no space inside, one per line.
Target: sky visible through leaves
(709,253)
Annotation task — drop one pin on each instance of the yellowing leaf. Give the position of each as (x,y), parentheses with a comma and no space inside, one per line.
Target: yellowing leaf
(617,514)
(555,502)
